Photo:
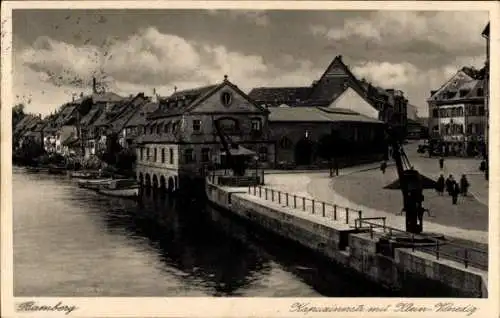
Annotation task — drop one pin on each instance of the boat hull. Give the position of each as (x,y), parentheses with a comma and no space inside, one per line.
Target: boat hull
(94,184)
(131,193)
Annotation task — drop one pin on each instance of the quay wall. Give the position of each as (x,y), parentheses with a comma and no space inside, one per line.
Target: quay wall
(410,272)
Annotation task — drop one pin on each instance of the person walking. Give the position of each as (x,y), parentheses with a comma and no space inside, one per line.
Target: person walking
(383,166)
(441,163)
(440,185)
(455,192)
(449,184)
(464,185)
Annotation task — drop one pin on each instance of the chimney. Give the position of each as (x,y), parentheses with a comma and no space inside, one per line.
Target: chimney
(94,85)
(225,78)
(81,94)
(175,89)
(154,98)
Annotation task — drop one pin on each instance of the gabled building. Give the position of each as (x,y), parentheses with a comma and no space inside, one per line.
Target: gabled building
(456,110)
(338,87)
(486,35)
(116,126)
(179,139)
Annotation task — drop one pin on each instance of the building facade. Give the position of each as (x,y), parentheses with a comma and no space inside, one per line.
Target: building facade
(486,35)
(338,85)
(301,133)
(457,113)
(179,140)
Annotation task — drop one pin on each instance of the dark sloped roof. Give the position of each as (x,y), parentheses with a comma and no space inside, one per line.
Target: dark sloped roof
(99,98)
(92,115)
(203,93)
(120,122)
(279,94)
(106,116)
(139,117)
(65,114)
(190,96)
(316,114)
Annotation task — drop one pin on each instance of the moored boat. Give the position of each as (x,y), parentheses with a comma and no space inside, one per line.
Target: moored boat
(84,175)
(93,184)
(123,188)
(130,193)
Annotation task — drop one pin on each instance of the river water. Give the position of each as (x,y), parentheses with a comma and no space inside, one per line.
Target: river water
(73,242)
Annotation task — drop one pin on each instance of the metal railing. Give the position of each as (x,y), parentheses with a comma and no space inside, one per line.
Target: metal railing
(307,205)
(468,256)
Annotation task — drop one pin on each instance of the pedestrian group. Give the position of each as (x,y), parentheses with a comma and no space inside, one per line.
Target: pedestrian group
(452,187)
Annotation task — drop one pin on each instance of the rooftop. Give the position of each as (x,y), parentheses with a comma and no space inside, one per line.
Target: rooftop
(316,114)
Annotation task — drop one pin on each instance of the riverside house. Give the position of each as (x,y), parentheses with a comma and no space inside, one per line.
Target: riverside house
(92,124)
(179,139)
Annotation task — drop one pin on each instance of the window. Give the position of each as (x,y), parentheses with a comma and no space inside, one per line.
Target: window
(163,155)
(205,154)
(147,154)
(229,125)
(144,130)
(463,93)
(460,111)
(158,129)
(151,130)
(435,113)
(188,156)
(256,124)
(142,153)
(171,153)
(263,154)
(154,156)
(196,125)
(480,92)
(166,128)
(226,98)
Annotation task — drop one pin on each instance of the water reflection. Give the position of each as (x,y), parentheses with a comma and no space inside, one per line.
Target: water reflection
(161,246)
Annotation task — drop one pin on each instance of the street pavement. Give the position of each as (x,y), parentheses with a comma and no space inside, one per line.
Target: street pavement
(361,188)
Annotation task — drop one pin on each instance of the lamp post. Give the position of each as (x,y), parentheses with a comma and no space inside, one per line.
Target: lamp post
(256,159)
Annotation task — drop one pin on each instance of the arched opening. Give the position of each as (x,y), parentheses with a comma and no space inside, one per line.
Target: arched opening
(141,179)
(155,181)
(148,180)
(171,184)
(163,185)
(303,152)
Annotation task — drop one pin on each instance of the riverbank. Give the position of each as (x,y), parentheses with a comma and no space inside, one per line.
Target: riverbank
(355,248)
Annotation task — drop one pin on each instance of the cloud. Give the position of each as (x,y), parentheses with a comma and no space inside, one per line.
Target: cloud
(387,74)
(425,38)
(145,60)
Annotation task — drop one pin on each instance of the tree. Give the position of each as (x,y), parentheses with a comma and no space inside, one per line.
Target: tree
(17,114)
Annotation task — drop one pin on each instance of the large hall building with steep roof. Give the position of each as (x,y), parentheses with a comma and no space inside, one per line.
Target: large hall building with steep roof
(354,110)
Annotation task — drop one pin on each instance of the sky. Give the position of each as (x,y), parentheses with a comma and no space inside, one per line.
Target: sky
(57,52)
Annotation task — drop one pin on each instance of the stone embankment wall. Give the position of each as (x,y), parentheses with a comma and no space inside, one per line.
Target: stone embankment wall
(405,270)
